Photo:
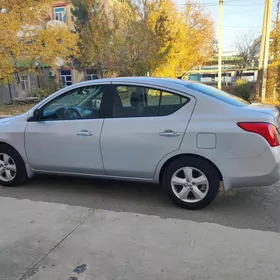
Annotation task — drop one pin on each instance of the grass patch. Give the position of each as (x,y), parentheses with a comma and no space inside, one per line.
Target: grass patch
(15,109)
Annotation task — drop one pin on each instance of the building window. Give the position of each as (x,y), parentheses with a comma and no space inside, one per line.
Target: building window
(60,13)
(91,75)
(25,82)
(66,77)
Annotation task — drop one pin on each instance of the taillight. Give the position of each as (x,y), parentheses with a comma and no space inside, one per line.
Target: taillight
(267,130)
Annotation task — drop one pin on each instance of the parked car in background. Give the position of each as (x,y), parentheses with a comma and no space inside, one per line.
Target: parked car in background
(186,136)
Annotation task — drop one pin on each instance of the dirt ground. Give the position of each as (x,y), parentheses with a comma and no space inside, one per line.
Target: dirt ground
(14,109)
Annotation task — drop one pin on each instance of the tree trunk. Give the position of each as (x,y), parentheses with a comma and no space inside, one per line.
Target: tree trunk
(100,72)
(38,81)
(10,92)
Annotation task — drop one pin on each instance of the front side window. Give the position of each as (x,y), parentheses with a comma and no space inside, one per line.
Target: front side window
(66,77)
(60,13)
(136,101)
(79,103)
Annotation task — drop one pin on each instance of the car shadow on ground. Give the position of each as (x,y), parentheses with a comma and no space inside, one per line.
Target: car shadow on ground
(254,208)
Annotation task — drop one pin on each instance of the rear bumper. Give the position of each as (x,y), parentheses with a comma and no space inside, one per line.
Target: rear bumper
(261,171)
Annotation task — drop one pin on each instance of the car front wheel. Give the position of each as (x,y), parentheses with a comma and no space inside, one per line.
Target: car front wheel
(12,167)
(191,182)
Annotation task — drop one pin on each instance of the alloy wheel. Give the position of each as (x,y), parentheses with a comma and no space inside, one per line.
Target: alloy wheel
(189,184)
(8,168)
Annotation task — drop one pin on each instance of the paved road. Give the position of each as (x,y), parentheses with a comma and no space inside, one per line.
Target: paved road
(253,208)
(131,231)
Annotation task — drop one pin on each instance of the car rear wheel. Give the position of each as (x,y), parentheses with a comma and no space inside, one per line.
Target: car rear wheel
(12,167)
(191,182)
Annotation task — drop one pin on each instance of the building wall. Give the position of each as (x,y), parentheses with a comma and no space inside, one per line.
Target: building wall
(20,89)
(211,76)
(67,4)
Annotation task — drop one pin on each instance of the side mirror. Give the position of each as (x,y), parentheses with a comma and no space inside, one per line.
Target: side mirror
(36,115)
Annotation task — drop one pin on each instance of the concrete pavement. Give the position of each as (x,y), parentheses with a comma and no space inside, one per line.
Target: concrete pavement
(45,240)
(250,208)
(29,230)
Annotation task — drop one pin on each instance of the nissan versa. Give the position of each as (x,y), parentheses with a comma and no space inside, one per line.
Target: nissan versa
(186,136)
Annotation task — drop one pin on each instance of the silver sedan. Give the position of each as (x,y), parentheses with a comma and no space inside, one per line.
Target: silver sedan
(186,136)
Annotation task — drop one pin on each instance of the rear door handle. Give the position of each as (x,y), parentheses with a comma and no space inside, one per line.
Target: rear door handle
(169,133)
(84,132)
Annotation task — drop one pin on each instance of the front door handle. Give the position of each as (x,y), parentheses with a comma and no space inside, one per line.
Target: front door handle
(84,132)
(169,133)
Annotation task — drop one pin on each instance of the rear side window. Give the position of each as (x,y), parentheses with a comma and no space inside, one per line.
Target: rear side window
(135,101)
(219,94)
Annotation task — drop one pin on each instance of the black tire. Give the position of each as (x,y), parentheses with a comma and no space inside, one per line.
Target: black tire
(20,176)
(205,167)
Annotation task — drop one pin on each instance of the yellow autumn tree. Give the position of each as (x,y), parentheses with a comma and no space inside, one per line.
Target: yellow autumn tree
(275,45)
(160,38)
(134,44)
(273,75)
(27,40)
(137,37)
(193,38)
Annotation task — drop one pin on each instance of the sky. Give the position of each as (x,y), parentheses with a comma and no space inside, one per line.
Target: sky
(239,17)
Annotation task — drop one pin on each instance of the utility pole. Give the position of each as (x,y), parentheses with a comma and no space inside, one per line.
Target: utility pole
(274,94)
(266,49)
(277,26)
(221,2)
(278,11)
(261,61)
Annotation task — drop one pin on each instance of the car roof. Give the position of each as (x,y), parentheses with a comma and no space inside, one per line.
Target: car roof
(156,81)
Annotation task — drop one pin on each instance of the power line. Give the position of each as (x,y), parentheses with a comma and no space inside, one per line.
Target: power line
(245,5)
(253,3)
(241,26)
(213,4)
(225,2)
(243,11)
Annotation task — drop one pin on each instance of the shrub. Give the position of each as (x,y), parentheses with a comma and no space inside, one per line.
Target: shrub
(45,92)
(273,81)
(243,89)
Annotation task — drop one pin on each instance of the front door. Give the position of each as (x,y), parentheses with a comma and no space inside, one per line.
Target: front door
(66,138)
(147,125)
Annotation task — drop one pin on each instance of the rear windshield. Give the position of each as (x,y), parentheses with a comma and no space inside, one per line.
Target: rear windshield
(219,94)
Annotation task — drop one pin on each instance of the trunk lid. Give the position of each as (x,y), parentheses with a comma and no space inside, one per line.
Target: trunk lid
(266,109)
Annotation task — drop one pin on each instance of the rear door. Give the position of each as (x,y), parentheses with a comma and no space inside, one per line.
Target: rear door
(147,124)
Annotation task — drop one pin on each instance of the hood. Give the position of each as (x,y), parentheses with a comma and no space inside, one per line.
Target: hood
(7,119)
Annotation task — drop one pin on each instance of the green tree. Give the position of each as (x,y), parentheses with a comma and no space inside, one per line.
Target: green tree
(243,89)
(80,13)
(94,35)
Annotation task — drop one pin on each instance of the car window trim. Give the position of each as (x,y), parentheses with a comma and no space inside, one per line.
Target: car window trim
(153,87)
(106,87)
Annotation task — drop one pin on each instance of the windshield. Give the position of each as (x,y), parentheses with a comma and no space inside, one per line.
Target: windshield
(219,94)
